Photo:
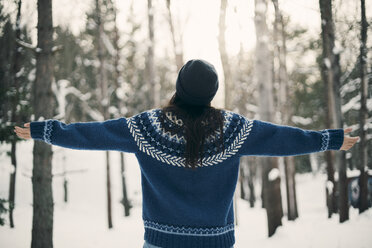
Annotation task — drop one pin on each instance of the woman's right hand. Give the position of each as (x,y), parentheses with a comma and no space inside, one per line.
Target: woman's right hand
(348,141)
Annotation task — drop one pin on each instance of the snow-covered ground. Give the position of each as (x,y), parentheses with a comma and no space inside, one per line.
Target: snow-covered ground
(82,222)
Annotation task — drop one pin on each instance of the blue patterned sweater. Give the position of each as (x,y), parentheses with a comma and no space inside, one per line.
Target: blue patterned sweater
(185,208)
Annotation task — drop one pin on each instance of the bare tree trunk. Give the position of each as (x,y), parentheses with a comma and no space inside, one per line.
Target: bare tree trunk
(108,186)
(42,221)
(331,76)
(242,176)
(65,189)
(252,174)
(125,201)
(290,182)
(14,117)
(285,107)
(263,75)
(224,56)
(363,113)
(12,182)
(150,65)
(104,101)
(177,45)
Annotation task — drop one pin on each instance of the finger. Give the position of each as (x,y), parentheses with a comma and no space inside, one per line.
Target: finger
(20,135)
(24,136)
(353,139)
(348,130)
(22,130)
(27,124)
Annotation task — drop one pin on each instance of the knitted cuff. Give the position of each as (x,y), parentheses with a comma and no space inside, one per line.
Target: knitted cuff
(42,130)
(332,139)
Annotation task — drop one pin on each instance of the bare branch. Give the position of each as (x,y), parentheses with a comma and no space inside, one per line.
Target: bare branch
(26,45)
(56,49)
(69,172)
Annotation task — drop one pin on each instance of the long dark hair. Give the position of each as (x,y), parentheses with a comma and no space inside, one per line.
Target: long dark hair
(198,124)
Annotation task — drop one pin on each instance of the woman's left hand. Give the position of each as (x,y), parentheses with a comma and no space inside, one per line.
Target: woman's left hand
(23,133)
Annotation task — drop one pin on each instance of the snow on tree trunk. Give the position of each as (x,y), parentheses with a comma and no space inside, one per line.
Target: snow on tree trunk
(263,76)
(42,219)
(363,113)
(331,72)
(314,163)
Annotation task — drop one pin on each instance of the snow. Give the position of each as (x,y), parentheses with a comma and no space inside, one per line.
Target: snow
(251,107)
(82,221)
(354,103)
(314,162)
(20,72)
(337,49)
(329,186)
(350,86)
(274,174)
(327,63)
(106,41)
(301,120)
(260,7)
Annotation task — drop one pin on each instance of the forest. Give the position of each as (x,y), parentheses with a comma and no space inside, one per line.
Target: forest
(299,63)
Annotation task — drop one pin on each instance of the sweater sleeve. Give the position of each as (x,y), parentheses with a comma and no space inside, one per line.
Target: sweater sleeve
(267,139)
(108,135)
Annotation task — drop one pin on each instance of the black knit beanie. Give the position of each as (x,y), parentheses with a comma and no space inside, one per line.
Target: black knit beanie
(197,82)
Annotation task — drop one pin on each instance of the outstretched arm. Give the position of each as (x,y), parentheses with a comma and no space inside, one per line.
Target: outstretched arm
(107,135)
(268,139)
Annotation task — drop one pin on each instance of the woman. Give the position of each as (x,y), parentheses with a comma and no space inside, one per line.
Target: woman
(189,157)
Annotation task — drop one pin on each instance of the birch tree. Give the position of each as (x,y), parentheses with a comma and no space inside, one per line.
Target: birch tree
(263,76)
(42,219)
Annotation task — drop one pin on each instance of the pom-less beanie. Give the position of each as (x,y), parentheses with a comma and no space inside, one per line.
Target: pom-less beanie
(197,82)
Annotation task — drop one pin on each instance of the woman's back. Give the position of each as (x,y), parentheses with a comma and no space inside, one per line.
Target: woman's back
(179,201)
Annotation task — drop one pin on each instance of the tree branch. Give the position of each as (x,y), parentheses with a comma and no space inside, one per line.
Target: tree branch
(26,45)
